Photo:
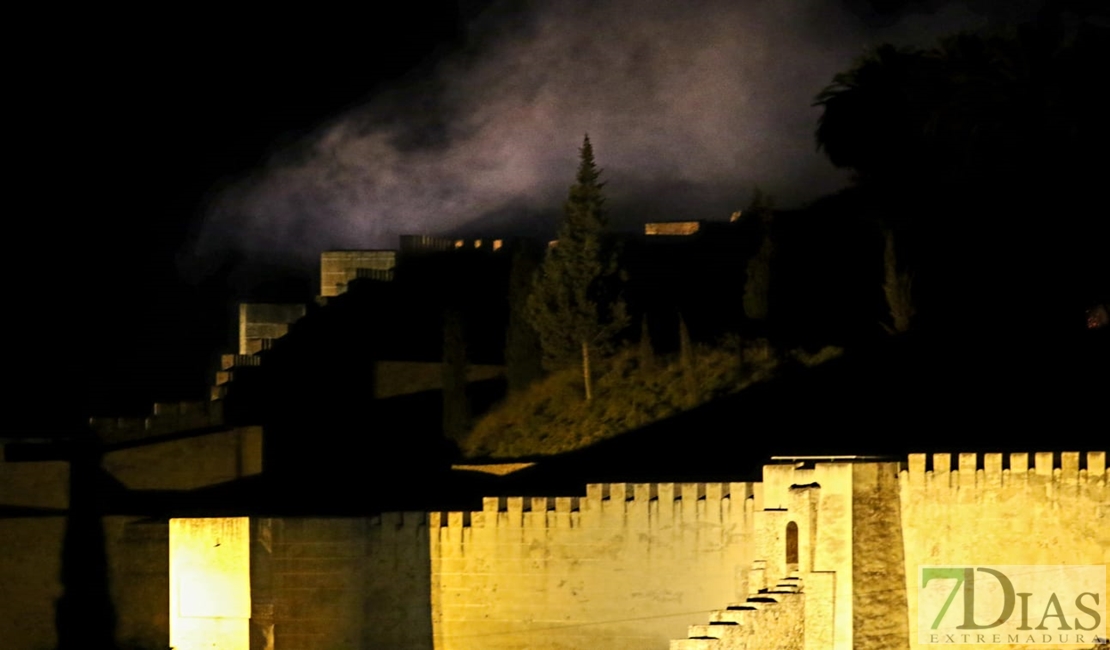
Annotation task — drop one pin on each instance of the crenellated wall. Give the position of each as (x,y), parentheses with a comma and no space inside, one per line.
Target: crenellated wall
(1041,508)
(819,555)
(625,566)
(864,529)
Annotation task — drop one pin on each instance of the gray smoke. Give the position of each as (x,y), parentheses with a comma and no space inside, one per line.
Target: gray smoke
(690,104)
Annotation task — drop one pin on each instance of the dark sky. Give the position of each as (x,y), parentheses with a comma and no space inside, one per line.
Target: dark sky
(203,147)
(690,106)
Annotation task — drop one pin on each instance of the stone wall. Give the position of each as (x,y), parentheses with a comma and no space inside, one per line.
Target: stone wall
(820,500)
(1003,510)
(774,619)
(189,462)
(339,268)
(879,614)
(262,323)
(30,580)
(625,566)
(139,578)
(351,582)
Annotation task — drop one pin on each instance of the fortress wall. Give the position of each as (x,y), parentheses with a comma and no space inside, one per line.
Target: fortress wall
(260,322)
(188,463)
(625,566)
(39,484)
(30,580)
(351,582)
(139,578)
(137,556)
(167,418)
(338,268)
(878,565)
(820,501)
(1053,508)
(753,625)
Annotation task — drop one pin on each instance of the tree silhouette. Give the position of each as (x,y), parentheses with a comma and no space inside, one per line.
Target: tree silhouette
(758,283)
(977,150)
(575,305)
(897,287)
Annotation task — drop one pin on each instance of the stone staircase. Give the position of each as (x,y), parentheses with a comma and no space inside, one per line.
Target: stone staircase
(771,618)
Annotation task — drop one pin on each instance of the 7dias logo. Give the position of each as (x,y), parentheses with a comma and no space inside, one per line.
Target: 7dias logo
(1024,604)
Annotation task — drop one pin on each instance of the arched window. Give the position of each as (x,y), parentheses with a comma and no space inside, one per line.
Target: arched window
(792,544)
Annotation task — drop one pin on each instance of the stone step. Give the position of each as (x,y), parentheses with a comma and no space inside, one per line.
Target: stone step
(707,643)
(737,616)
(706,631)
(763,598)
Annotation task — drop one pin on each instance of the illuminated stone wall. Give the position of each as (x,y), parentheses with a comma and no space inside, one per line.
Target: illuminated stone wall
(351,582)
(672,228)
(625,566)
(210,599)
(1048,511)
(260,324)
(339,268)
(800,592)
(866,544)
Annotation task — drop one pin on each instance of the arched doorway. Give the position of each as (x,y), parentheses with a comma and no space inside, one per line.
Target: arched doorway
(791,547)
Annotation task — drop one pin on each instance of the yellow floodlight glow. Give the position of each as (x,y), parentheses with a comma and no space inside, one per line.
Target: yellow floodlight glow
(210,597)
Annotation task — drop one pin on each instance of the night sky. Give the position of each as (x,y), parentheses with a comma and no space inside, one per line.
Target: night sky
(214,156)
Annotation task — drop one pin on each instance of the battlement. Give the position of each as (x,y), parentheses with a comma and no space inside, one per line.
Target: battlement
(672,228)
(425,244)
(381,275)
(997,471)
(339,268)
(167,418)
(230,361)
(709,501)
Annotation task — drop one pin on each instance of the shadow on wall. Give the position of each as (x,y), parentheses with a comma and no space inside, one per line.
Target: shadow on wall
(84,615)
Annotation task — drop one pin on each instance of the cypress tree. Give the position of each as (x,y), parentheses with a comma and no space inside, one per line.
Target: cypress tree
(575,307)
(897,287)
(758,283)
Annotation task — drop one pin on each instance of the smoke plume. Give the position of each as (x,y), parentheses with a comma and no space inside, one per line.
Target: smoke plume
(690,105)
